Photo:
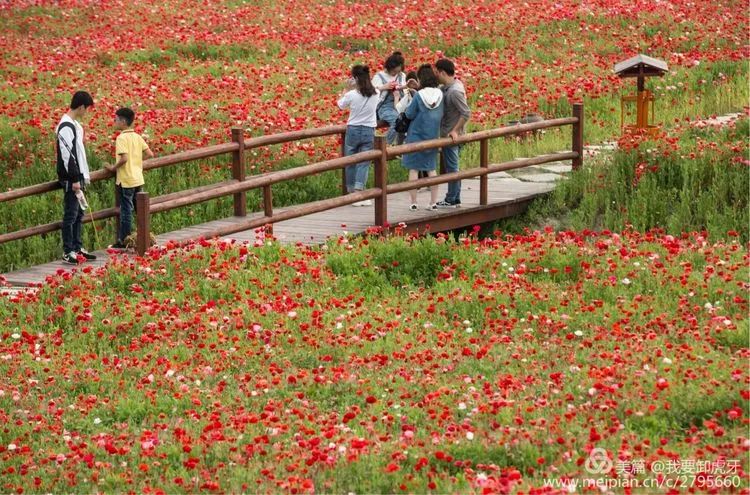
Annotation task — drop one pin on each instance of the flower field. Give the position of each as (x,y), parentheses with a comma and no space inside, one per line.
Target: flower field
(414,365)
(191,72)
(505,363)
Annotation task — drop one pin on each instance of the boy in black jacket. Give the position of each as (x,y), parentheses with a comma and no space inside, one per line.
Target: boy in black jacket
(73,174)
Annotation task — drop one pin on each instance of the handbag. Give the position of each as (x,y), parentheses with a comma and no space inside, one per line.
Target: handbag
(402,123)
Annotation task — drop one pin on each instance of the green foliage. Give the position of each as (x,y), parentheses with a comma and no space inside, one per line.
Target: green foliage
(689,405)
(473,47)
(399,263)
(646,188)
(190,51)
(738,338)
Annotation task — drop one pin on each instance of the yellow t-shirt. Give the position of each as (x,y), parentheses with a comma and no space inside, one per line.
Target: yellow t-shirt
(130,174)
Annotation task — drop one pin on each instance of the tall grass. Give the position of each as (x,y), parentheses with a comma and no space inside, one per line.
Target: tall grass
(699,187)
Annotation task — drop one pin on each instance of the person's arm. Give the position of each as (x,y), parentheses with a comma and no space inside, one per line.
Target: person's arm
(122,159)
(404,102)
(379,83)
(345,100)
(459,101)
(412,109)
(122,155)
(146,149)
(453,134)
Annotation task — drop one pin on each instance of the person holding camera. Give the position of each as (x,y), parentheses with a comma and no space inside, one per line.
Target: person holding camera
(390,82)
(73,175)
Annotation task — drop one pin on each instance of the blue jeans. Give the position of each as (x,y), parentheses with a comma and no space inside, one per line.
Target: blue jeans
(450,157)
(359,138)
(389,114)
(127,207)
(72,221)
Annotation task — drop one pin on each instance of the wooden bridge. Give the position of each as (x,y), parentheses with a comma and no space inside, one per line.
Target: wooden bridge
(485,195)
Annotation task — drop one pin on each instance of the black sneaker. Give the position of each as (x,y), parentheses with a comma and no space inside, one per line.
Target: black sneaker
(449,204)
(87,255)
(117,245)
(70,258)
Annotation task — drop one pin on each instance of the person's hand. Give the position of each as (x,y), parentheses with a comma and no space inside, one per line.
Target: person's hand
(391,85)
(76,186)
(453,135)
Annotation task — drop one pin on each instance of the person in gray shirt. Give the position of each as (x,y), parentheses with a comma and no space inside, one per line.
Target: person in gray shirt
(457,113)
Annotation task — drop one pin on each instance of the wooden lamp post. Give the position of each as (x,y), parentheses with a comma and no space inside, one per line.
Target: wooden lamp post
(640,67)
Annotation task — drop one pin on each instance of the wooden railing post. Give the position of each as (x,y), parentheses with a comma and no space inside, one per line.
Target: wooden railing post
(117,206)
(268,207)
(484,162)
(143,215)
(343,170)
(578,135)
(238,171)
(381,181)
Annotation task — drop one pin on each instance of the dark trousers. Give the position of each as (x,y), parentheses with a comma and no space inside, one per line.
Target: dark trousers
(72,221)
(127,207)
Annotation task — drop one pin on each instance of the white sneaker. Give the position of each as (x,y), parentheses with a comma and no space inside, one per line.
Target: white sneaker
(70,258)
(413,207)
(367,202)
(432,207)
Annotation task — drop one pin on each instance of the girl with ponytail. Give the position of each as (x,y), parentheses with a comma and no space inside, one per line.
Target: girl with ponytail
(361,98)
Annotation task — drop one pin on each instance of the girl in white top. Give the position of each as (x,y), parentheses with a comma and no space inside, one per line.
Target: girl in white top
(361,98)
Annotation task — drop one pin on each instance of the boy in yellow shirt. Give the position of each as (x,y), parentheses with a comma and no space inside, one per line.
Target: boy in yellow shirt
(129,149)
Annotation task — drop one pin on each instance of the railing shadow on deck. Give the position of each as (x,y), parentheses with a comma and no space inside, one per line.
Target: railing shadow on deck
(240,184)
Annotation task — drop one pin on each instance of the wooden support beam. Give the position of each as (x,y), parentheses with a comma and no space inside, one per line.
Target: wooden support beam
(268,207)
(238,171)
(143,214)
(484,162)
(381,181)
(578,135)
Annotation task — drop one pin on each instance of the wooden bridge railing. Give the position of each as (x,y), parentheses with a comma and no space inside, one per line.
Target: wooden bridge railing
(239,185)
(237,148)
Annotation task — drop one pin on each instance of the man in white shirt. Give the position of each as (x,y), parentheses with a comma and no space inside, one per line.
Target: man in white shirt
(73,174)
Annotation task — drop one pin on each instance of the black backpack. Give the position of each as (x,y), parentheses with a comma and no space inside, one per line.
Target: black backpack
(73,172)
(402,123)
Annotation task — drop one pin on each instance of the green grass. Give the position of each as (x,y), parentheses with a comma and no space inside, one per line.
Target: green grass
(676,192)
(401,263)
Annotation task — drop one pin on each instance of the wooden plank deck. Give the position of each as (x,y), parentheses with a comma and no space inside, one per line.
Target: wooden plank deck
(506,196)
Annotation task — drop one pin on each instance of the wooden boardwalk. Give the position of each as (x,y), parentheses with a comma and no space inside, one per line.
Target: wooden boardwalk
(507,194)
